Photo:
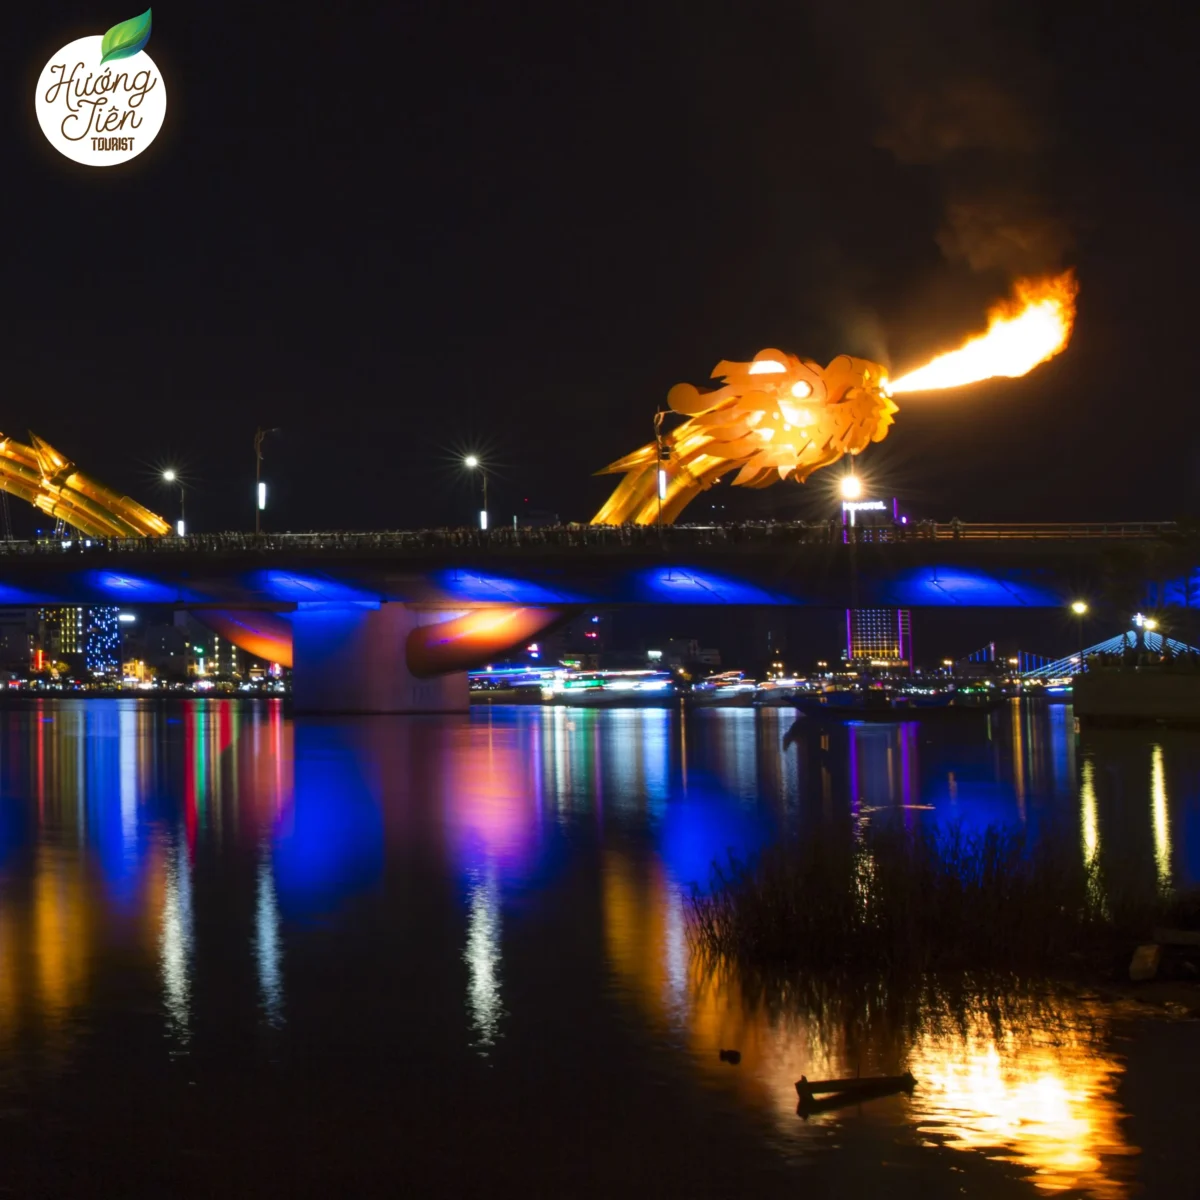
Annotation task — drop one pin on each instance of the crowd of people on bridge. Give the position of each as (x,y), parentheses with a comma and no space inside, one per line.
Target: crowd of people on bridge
(569,535)
(1186,659)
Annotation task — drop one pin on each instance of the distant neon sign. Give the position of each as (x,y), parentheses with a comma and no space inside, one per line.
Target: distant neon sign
(856,506)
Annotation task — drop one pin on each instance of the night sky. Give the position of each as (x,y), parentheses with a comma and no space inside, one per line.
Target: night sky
(403,232)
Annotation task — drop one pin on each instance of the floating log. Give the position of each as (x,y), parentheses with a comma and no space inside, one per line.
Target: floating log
(839,1093)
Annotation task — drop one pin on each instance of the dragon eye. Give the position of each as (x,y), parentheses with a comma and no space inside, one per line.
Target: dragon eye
(801,389)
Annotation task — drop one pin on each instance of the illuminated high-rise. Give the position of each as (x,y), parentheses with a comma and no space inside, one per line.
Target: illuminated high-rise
(879,637)
(61,632)
(86,639)
(876,637)
(102,644)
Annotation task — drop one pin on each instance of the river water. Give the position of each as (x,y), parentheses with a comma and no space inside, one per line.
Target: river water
(241,953)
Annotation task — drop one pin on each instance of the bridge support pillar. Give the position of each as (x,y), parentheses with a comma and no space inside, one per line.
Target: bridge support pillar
(350,658)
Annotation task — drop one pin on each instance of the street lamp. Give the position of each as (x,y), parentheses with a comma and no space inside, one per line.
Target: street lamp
(1080,609)
(260,487)
(170,475)
(852,487)
(472,463)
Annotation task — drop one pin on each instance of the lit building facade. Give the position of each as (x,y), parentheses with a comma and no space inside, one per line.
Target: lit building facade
(102,642)
(876,637)
(880,637)
(86,639)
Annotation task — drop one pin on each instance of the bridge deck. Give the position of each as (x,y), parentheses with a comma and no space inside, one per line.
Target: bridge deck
(1132,564)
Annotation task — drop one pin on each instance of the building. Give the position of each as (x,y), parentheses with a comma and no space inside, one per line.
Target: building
(86,641)
(182,649)
(17,636)
(687,654)
(161,646)
(876,637)
(879,637)
(61,633)
(102,642)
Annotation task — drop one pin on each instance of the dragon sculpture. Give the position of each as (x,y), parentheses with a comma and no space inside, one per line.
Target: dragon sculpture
(37,473)
(775,418)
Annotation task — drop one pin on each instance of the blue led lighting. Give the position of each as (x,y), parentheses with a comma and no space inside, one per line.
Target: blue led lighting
(133,589)
(953,587)
(473,585)
(685,585)
(294,587)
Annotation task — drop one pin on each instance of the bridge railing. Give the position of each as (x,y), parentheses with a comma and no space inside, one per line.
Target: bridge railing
(765,534)
(1121,530)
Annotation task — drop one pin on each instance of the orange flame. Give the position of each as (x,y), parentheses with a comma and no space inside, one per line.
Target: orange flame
(1028,329)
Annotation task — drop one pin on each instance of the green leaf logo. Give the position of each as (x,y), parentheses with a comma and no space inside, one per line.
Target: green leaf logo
(126,39)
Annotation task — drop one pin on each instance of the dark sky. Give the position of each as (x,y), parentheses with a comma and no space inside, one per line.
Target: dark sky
(401,232)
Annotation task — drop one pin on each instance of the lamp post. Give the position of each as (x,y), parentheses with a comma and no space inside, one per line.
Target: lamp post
(170,475)
(851,489)
(662,455)
(472,463)
(1080,609)
(260,488)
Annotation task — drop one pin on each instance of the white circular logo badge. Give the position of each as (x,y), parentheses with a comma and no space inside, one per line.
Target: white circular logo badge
(98,106)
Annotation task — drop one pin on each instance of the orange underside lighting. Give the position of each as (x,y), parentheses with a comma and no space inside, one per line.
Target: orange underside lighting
(1028,329)
(266,635)
(474,639)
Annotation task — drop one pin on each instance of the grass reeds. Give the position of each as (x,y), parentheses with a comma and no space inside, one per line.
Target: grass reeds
(926,898)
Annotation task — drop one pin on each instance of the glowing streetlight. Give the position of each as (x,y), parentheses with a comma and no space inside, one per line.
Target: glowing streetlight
(472,463)
(1151,623)
(1080,609)
(260,488)
(170,476)
(852,487)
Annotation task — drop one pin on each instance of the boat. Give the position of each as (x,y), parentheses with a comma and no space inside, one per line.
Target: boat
(611,689)
(778,693)
(897,704)
(728,688)
(848,704)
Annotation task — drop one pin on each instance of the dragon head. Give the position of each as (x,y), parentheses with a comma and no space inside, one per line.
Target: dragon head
(780,416)
(777,417)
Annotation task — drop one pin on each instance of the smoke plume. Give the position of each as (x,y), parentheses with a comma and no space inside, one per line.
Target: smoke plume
(962,91)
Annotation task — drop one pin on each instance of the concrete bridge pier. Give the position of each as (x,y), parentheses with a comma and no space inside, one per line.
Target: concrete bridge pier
(350,657)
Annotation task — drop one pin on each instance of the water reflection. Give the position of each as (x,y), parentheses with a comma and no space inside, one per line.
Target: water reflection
(175,942)
(1161,821)
(268,951)
(1035,1088)
(1029,1079)
(1087,808)
(482,957)
(222,867)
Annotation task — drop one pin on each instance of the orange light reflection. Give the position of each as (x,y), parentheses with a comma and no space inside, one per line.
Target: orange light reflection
(1029,1081)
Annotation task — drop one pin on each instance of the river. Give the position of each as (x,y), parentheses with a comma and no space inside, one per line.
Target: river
(246,954)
